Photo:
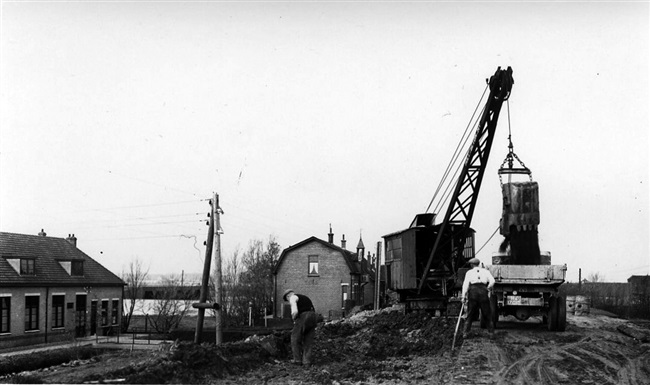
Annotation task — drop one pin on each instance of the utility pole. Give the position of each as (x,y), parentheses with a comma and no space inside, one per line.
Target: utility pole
(580,280)
(378,276)
(203,296)
(217,259)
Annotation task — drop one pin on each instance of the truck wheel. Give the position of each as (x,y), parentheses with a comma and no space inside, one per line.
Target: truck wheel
(552,314)
(495,310)
(561,314)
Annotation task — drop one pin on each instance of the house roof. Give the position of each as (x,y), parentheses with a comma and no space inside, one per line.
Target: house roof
(350,257)
(639,278)
(47,252)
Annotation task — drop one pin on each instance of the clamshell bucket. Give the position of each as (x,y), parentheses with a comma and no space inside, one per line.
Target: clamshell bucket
(520,207)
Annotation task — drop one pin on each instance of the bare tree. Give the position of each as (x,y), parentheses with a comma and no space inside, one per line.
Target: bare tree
(595,277)
(134,278)
(171,304)
(230,282)
(247,280)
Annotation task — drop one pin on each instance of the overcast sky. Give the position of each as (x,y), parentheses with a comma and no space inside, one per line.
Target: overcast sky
(119,120)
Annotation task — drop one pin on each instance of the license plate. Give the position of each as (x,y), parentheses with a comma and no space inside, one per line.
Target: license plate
(514,300)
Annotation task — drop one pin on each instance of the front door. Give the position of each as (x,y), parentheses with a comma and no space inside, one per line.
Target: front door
(80,316)
(93,317)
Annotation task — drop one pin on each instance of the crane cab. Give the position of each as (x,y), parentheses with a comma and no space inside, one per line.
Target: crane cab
(407,252)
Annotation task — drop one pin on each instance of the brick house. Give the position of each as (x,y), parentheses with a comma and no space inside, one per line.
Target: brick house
(639,296)
(330,275)
(52,291)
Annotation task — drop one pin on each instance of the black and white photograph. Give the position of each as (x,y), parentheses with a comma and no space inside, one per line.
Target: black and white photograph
(324,192)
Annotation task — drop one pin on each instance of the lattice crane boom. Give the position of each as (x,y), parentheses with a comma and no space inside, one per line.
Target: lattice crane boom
(463,201)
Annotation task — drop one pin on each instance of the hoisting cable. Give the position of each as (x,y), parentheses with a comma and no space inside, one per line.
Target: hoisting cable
(457,151)
(486,242)
(462,143)
(459,167)
(511,157)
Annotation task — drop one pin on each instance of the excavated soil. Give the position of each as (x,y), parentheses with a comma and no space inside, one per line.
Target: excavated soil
(389,348)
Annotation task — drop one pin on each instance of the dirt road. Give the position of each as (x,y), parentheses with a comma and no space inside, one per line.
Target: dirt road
(591,351)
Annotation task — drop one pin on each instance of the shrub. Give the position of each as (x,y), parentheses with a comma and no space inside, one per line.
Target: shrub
(39,360)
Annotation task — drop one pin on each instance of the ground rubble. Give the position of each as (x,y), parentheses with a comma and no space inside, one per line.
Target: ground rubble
(379,346)
(387,347)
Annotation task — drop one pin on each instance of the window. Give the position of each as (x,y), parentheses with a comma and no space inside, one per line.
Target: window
(74,268)
(104,312)
(313,265)
(31,312)
(27,267)
(394,249)
(57,311)
(5,311)
(344,294)
(355,292)
(77,268)
(116,304)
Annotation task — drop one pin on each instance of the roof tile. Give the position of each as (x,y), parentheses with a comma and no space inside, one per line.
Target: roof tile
(47,252)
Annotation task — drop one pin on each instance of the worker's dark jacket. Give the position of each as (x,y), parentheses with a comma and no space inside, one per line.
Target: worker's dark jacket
(304,304)
(304,327)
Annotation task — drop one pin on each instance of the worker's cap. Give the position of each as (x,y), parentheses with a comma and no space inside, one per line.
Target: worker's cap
(474,262)
(286,293)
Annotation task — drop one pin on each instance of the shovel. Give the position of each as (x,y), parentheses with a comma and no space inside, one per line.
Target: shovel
(453,342)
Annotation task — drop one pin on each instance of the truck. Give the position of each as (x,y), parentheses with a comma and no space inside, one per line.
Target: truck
(526,283)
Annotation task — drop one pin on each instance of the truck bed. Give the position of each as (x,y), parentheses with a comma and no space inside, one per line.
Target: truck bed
(528,274)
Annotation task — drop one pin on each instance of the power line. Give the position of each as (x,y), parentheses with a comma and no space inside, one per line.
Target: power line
(134,238)
(149,224)
(98,221)
(140,206)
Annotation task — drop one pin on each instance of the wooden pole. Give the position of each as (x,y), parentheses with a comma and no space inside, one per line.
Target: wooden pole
(580,280)
(217,279)
(378,277)
(203,296)
(460,315)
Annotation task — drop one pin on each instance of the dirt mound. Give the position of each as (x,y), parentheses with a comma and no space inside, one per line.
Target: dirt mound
(188,363)
(387,348)
(368,344)
(383,335)
(350,349)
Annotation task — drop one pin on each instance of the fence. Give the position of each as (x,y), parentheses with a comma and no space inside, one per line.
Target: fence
(134,336)
(613,297)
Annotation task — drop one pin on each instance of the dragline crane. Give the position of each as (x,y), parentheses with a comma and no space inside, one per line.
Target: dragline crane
(423,261)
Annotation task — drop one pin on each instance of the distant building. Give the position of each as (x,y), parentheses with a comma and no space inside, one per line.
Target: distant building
(172,291)
(52,291)
(330,275)
(639,295)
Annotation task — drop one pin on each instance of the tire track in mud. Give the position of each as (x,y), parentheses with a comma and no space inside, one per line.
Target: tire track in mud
(533,356)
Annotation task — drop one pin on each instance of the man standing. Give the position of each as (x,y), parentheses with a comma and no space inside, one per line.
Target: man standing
(304,326)
(477,287)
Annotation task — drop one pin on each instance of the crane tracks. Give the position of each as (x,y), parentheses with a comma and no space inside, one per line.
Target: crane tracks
(591,353)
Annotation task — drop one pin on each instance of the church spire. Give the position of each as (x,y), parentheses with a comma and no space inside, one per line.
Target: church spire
(360,247)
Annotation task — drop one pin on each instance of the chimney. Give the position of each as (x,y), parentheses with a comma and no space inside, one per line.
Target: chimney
(42,233)
(72,239)
(330,236)
(343,242)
